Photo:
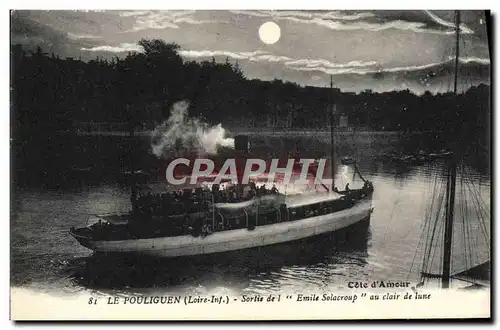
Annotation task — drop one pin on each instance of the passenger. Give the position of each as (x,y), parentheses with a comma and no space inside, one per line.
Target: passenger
(262,190)
(247,192)
(274,190)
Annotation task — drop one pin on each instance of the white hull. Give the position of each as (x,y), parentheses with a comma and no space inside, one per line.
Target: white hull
(238,239)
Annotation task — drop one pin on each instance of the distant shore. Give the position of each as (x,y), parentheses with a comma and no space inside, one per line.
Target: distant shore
(308,132)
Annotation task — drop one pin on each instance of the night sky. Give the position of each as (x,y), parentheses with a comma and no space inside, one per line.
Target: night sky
(378,50)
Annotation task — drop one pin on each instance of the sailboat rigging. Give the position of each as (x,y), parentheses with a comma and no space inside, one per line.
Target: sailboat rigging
(450,205)
(452,177)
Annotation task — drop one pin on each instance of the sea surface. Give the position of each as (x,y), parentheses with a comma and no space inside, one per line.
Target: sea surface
(45,257)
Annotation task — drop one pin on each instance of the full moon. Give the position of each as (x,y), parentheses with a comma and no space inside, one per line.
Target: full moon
(269,33)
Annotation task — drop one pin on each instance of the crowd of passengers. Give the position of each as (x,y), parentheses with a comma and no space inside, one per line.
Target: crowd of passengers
(200,199)
(194,200)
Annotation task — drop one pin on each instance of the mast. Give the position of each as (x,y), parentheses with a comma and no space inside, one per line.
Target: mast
(452,178)
(332,151)
(487,19)
(457,49)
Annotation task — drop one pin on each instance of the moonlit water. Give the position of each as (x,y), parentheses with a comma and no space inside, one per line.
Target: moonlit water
(46,257)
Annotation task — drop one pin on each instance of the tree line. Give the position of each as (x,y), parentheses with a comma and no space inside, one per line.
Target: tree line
(51,94)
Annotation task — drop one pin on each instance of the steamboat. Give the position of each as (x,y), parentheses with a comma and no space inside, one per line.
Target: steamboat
(210,221)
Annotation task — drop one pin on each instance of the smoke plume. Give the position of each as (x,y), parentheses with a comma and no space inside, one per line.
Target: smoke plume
(180,134)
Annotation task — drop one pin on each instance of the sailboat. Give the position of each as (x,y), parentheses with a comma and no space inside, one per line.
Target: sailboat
(469,214)
(207,221)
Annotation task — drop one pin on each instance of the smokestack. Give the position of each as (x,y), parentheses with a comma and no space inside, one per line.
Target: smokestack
(241,143)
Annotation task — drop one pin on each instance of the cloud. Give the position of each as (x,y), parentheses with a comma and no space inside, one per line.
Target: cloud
(300,64)
(345,21)
(211,53)
(321,65)
(262,56)
(363,68)
(307,63)
(189,20)
(90,10)
(479,60)
(133,13)
(31,34)
(437,19)
(338,15)
(82,36)
(408,68)
(123,47)
(270,58)
(162,19)
(330,71)
(257,56)
(365,26)
(291,63)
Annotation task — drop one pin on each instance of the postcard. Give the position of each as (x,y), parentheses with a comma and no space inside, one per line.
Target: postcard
(250,164)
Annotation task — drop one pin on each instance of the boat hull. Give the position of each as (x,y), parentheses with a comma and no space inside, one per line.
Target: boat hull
(238,239)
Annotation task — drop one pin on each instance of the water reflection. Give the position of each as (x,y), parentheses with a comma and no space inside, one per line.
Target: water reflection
(309,259)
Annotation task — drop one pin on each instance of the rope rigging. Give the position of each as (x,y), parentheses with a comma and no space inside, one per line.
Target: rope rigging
(471,210)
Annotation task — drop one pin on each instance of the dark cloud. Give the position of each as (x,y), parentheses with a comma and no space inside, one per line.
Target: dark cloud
(31,34)
(379,50)
(422,16)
